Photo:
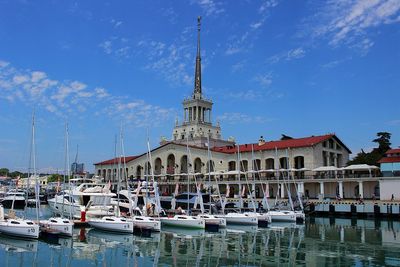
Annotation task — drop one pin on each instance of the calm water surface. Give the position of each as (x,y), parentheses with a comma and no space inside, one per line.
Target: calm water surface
(320,242)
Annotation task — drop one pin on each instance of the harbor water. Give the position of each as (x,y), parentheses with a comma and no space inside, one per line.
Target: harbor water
(319,242)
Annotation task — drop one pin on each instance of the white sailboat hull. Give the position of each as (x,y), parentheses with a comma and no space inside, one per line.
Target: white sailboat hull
(300,216)
(213,220)
(262,217)
(282,216)
(243,219)
(57,226)
(113,224)
(184,221)
(146,223)
(20,228)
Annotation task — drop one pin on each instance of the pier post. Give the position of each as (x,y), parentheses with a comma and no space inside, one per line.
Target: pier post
(321,189)
(341,190)
(361,189)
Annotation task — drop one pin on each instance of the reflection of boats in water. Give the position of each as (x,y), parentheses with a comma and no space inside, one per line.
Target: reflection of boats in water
(183,232)
(96,236)
(17,244)
(241,229)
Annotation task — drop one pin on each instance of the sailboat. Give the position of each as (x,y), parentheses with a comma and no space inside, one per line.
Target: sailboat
(61,225)
(114,223)
(278,215)
(300,215)
(210,219)
(248,218)
(183,220)
(264,219)
(139,221)
(22,227)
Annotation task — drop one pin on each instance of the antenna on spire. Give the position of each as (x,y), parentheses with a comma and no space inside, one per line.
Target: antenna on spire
(197,73)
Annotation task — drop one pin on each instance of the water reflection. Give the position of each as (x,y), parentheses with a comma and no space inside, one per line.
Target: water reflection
(320,242)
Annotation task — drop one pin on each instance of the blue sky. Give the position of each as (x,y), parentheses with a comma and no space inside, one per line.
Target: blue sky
(295,67)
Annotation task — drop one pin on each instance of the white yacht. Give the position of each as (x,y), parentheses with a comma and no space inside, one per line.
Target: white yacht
(93,198)
(240,218)
(57,225)
(264,219)
(14,199)
(184,221)
(112,223)
(211,219)
(282,215)
(18,227)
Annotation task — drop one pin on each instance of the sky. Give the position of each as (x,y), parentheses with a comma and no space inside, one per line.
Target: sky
(271,67)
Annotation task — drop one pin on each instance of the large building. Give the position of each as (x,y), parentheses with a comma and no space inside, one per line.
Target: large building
(196,135)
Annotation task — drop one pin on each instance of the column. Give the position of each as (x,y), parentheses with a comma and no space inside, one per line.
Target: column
(194,113)
(300,188)
(282,190)
(209,115)
(328,162)
(341,189)
(335,160)
(361,189)
(253,190)
(185,115)
(321,189)
(200,114)
(190,114)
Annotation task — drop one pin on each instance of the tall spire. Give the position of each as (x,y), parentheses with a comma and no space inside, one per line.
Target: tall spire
(197,74)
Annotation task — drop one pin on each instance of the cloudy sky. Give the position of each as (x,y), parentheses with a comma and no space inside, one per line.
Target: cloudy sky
(295,67)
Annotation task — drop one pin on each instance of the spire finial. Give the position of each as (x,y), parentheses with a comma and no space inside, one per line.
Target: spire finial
(197,74)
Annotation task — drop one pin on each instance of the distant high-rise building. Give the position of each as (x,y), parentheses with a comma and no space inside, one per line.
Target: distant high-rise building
(77,168)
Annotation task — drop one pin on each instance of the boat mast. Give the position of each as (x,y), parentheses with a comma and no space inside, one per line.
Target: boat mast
(288,184)
(68,169)
(125,172)
(155,185)
(247,182)
(240,186)
(34,168)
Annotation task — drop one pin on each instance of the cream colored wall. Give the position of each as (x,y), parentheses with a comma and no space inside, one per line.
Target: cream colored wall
(389,187)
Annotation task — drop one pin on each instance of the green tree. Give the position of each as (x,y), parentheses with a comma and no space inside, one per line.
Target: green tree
(376,154)
(383,141)
(54,178)
(4,171)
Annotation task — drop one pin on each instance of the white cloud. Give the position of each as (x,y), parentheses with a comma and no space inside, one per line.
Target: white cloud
(37,76)
(210,7)
(289,55)
(295,53)
(240,118)
(75,98)
(3,64)
(172,62)
(267,4)
(264,80)
(107,46)
(243,42)
(19,79)
(116,23)
(349,21)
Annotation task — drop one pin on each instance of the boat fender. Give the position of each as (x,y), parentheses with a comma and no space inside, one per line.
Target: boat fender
(1,213)
(83,214)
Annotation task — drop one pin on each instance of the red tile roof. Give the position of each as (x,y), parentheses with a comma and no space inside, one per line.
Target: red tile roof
(393,151)
(115,160)
(280,144)
(389,160)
